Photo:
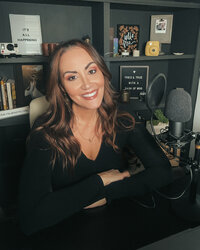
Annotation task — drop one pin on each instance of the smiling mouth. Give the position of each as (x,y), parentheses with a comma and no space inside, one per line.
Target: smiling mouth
(90,95)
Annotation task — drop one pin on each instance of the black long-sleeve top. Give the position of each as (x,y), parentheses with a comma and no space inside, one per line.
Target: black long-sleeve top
(49,195)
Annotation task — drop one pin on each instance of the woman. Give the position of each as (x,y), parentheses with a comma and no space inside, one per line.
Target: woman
(74,159)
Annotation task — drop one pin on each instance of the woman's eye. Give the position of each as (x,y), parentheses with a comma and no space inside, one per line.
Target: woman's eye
(92,71)
(71,78)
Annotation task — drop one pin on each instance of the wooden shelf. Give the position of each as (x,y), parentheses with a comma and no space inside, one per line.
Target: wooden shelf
(24,59)
(43,59)
(99,15)
(57,2)
(15,120)
(173,4)
(167,3)
(148,58)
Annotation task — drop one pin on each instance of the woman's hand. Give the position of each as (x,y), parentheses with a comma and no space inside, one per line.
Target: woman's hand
(112,176)
(97,203)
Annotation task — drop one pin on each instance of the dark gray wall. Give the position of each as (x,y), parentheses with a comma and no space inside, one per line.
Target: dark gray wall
(58,22)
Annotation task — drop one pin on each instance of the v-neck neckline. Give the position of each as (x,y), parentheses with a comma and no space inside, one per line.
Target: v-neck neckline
(85,154)
(96,155)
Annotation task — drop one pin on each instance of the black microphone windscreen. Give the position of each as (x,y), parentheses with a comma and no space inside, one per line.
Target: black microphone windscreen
(178,107)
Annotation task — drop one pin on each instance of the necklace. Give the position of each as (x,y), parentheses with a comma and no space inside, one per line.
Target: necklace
(90,139)
(87,139)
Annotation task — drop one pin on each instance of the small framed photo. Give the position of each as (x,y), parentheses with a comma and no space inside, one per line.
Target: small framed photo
(128,37)
(161,28)
(134,79)
(29,83)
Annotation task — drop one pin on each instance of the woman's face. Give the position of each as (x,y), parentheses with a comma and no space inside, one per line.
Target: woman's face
(81,78)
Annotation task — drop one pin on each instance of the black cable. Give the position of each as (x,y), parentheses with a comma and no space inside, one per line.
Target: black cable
(144,205)
(181,194)
(168,151)
(164,195)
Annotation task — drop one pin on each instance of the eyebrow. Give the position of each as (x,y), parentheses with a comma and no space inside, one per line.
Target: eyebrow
(74,72)
(86,67)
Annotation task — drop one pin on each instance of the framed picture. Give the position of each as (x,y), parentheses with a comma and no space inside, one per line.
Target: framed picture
(134,79)
(128,37)
(30,83)
(161,28)
(26,32)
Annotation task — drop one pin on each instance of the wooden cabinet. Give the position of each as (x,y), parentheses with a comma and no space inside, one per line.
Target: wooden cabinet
(62,20)
(181,71)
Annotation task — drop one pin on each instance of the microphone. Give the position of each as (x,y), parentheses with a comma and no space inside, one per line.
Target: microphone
(178,110)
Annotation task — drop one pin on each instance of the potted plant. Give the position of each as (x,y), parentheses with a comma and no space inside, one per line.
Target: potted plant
(159,123)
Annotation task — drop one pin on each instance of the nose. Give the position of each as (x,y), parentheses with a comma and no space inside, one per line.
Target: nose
(85,82)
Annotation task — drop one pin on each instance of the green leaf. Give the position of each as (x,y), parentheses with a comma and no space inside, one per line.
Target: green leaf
(160,116)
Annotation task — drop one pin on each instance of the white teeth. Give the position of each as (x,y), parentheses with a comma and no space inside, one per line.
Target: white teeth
(91,94)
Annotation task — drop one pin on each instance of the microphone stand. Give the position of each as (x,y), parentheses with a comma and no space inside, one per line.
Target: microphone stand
(188,206)
(195,168)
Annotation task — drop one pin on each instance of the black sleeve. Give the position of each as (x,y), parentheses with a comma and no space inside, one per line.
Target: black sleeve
(39,205)
(157,171)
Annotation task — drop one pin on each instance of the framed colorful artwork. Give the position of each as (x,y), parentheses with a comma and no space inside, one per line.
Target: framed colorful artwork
(128,37)
(30,83)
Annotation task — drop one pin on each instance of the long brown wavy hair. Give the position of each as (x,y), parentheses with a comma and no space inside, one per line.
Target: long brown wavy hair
(56,121)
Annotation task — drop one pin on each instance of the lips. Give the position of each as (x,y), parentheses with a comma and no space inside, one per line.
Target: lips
(90,95)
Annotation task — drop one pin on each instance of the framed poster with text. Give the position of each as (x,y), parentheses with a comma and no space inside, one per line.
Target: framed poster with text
(26,32)
(134,79)
(128,37)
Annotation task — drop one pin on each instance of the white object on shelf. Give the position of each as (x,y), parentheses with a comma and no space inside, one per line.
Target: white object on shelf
(178,53)
(136,52)
(14,112)
(125,53)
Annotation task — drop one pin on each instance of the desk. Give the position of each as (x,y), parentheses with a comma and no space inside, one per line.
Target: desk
(186,240)
(122,225)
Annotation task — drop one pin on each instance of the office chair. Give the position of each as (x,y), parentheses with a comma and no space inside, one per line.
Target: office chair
(37,107)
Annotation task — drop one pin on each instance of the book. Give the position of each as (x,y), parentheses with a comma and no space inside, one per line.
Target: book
(115,46)
(1,101)
(111,32)
(9,94)
(13,92)
(14,112)
(4,95)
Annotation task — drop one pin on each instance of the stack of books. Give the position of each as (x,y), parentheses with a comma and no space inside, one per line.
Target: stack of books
(7,94)
(8,107)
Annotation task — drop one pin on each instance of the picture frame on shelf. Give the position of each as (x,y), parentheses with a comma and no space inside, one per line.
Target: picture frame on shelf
(30,83)
(128,37)
(134,79)
(161,28)
(26,32)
